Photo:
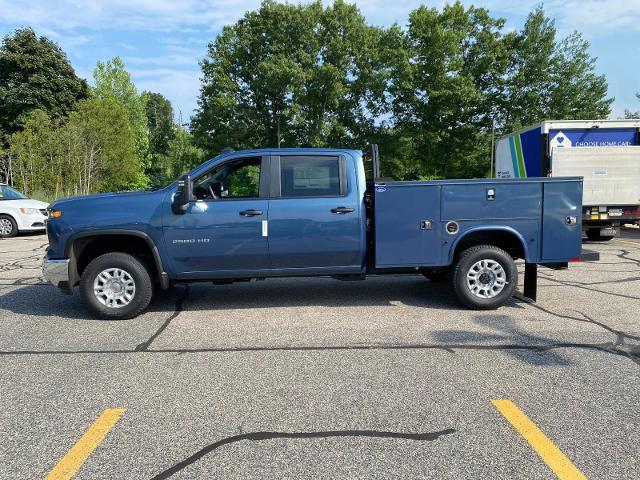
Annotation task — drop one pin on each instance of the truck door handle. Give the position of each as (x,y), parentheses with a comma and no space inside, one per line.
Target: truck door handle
(341,210)
(250,213)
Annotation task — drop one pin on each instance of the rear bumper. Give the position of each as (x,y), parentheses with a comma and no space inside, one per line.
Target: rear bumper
(56,272)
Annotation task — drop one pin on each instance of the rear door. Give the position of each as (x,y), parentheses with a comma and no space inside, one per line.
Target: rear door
(561,220)
(314,214)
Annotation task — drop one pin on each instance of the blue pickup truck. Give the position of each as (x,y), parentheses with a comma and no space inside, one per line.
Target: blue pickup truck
(310,212)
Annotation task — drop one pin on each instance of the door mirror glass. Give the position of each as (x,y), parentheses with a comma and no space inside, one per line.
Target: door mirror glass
(183,195)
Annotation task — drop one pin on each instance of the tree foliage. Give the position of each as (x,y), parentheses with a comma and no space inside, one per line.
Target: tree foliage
(430,94)
(290,75)
(35,74)
(161,130)
(446,82)
(551,78)
(631,114)
(113,82)
(93,149)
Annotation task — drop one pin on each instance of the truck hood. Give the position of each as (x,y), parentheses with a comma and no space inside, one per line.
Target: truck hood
(123,197)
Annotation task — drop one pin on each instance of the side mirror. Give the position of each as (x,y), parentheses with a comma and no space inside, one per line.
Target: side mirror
(183,195)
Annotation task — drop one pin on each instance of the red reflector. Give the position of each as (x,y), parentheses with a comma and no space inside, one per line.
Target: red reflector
(575,259)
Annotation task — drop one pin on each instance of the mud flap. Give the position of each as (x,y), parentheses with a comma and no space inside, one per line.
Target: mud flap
(531,280)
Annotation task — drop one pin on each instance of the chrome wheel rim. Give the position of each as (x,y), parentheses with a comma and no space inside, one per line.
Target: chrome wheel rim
(114,288)
(6,227)
(486,278)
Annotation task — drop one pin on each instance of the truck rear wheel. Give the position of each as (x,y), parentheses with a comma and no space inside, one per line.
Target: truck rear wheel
(116,286)
(484,277)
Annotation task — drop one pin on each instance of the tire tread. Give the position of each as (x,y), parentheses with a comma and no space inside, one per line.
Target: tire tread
(144,291)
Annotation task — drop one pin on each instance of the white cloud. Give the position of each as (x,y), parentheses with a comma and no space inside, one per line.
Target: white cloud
(125,14)
(181,87)
(591,17)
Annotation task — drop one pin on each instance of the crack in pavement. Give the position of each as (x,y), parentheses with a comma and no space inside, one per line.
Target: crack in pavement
(625,255)
(606,347)
(261,436)
(620,336)
(582,286)
(144,346)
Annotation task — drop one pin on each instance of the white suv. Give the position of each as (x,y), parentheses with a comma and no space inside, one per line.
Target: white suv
(18,213)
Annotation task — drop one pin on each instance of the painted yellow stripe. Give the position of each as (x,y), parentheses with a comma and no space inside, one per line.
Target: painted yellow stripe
(548,452)
(73,460)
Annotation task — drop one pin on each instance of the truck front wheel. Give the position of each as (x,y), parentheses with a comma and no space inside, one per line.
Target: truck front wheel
(116,286)
(484,277)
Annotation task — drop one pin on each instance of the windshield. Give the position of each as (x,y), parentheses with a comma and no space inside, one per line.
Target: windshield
(8,193)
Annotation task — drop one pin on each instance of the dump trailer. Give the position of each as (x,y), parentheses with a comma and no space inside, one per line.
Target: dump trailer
(606,153)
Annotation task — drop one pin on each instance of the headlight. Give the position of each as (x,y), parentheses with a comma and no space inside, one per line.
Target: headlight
(55,213)
(29,211)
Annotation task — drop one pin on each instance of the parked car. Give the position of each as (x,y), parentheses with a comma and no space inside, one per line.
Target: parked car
(19,213)
(309,212)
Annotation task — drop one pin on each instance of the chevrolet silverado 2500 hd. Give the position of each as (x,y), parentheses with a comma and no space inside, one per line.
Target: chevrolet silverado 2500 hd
(310,212)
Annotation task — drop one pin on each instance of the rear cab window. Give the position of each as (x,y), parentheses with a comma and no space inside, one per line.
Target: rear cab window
(306,176)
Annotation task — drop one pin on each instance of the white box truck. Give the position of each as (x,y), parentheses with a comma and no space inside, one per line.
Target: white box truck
(606,153)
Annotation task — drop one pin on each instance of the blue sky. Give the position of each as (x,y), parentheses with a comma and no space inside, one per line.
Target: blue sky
(161,41)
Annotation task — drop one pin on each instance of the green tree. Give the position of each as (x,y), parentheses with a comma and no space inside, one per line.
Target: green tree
(35,74)
(113,82)
(551,79)
(36,152)
(291,75)
(162,131)
(183,155)
(105,151)
(630,114)
(446,82)
(93,150)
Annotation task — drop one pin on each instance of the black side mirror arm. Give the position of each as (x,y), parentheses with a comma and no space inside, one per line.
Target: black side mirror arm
(183,195)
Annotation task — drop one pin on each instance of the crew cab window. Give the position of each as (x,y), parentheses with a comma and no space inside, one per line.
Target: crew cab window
(309,176)
(236,179)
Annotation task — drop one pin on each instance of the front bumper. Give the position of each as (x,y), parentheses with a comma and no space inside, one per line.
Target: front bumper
(56,272)
(31,222)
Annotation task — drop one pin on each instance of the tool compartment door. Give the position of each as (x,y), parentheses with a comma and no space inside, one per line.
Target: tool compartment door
(562,220)
(407,221)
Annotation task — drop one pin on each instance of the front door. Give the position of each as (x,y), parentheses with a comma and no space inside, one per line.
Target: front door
(314,214)
(222,233)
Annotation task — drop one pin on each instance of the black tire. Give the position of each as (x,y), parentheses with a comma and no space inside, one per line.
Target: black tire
(593,234)
(462,267)
(437,276)
(134,268)
(14,226)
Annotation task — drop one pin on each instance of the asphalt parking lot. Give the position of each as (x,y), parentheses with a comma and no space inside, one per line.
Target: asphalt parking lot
(316,378)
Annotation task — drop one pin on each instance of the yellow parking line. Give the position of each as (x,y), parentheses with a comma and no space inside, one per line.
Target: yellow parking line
(73,460)
(548,452)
